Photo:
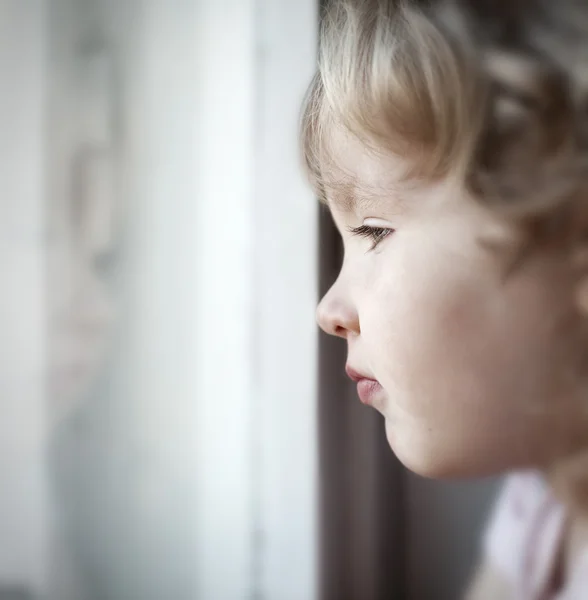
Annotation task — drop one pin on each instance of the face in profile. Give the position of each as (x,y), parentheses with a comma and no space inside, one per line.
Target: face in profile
(473,371)
(83,228)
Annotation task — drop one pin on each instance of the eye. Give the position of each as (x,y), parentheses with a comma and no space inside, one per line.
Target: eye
(376,234)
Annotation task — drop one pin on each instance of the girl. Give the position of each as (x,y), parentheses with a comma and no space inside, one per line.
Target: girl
(450,143)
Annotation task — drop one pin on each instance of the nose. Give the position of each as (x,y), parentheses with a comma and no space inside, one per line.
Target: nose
(336,315)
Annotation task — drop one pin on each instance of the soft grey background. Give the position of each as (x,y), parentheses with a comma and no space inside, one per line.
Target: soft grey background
(444,525)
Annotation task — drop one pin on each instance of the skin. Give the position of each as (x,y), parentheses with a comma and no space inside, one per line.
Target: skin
(478,372)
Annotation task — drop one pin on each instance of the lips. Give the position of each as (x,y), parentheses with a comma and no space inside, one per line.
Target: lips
(367,388)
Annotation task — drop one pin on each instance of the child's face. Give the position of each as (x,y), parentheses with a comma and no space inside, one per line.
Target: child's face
(475,370)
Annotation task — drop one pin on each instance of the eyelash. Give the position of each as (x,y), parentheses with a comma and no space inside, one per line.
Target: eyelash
(376,234)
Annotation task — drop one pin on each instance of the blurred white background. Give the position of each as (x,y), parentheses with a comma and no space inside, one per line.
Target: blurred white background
(154,224)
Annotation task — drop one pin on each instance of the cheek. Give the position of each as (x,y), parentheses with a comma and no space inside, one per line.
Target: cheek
(423,317)
(465,360)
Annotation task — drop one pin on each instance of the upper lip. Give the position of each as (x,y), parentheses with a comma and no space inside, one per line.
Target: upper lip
(355,375)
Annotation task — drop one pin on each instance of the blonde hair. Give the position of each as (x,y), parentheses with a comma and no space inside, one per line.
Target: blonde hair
(384,71)
(508,116)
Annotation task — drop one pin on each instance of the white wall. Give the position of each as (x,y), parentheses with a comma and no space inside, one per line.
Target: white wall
(22,451)
(217,387)
(286,279)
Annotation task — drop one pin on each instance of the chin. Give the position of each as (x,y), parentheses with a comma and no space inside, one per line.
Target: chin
(431,469)
(435,463)
(410,454)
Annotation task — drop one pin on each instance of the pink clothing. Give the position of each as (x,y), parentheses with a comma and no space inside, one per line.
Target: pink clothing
(524,538)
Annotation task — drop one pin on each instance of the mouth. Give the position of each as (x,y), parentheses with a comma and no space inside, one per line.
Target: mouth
(367,388)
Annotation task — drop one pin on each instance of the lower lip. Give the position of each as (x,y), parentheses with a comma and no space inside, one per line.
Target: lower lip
(367,390)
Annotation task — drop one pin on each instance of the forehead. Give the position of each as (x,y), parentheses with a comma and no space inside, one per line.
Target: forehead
(357,173)
(359,177)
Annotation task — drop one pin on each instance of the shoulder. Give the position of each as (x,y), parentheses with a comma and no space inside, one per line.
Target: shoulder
(524,533)
(577,585)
